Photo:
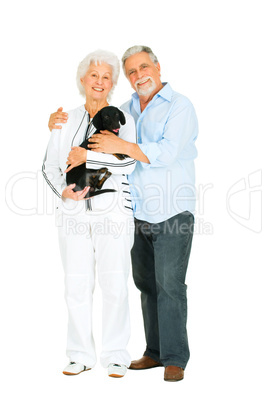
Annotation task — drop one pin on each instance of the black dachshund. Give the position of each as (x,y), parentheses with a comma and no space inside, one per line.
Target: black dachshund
(108,118)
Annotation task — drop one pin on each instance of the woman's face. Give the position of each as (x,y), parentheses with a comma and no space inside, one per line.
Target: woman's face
(97,82)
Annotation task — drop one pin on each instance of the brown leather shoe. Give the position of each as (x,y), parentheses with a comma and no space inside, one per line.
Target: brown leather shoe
(173,373)
(144,363)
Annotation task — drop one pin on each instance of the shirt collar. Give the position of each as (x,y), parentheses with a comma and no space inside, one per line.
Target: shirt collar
(166,92)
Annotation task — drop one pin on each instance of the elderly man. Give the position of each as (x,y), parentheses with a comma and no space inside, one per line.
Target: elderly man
(163,192)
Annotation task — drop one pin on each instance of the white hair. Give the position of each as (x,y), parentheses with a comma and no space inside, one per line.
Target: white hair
(138,49)
(97,57)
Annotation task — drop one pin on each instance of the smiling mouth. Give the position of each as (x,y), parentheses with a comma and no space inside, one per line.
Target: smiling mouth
(143,82)
(98,89)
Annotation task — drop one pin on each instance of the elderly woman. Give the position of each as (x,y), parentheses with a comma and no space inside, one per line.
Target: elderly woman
(97,232)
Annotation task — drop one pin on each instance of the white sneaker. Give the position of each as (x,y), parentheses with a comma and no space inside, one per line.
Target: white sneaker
(116,370)
(75,368)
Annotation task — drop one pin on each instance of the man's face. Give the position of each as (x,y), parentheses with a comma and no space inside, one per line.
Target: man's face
(143,74)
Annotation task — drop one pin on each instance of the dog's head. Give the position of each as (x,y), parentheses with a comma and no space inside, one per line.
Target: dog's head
(109,118)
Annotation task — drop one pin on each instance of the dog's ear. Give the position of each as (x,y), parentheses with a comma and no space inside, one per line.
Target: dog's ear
(122,118)
(97,120)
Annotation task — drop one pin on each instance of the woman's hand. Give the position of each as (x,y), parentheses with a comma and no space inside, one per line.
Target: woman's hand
(75,195)
(76,157)
(106,142)
(57,117)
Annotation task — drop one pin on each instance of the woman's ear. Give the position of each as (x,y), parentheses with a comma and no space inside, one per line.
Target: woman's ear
(122,118)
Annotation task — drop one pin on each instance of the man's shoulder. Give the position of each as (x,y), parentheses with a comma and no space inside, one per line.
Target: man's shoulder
(173,96)
(180,99)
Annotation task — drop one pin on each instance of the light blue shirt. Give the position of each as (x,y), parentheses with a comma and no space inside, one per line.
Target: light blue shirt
(166,133)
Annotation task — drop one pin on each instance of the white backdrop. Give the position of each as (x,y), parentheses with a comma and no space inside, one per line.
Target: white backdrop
(212,51)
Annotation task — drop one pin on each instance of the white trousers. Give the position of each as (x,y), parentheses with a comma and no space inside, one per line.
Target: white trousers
(102,242)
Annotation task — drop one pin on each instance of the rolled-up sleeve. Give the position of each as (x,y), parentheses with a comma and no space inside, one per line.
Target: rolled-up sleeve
(179,133)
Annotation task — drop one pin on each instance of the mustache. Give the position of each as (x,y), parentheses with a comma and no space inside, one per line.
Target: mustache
(144,79)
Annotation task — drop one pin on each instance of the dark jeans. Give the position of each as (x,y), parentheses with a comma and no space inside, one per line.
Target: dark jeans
(160,257)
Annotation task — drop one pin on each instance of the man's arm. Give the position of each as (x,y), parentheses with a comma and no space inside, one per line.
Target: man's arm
(177,137)
(109,143)
(177,140)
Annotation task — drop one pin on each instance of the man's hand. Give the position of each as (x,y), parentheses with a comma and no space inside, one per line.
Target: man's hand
(106,142)
(76,196)
(110,143)
(57,117)
(77,156)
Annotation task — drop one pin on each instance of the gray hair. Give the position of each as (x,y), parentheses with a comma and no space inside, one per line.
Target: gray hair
(97,57)
(138,49)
